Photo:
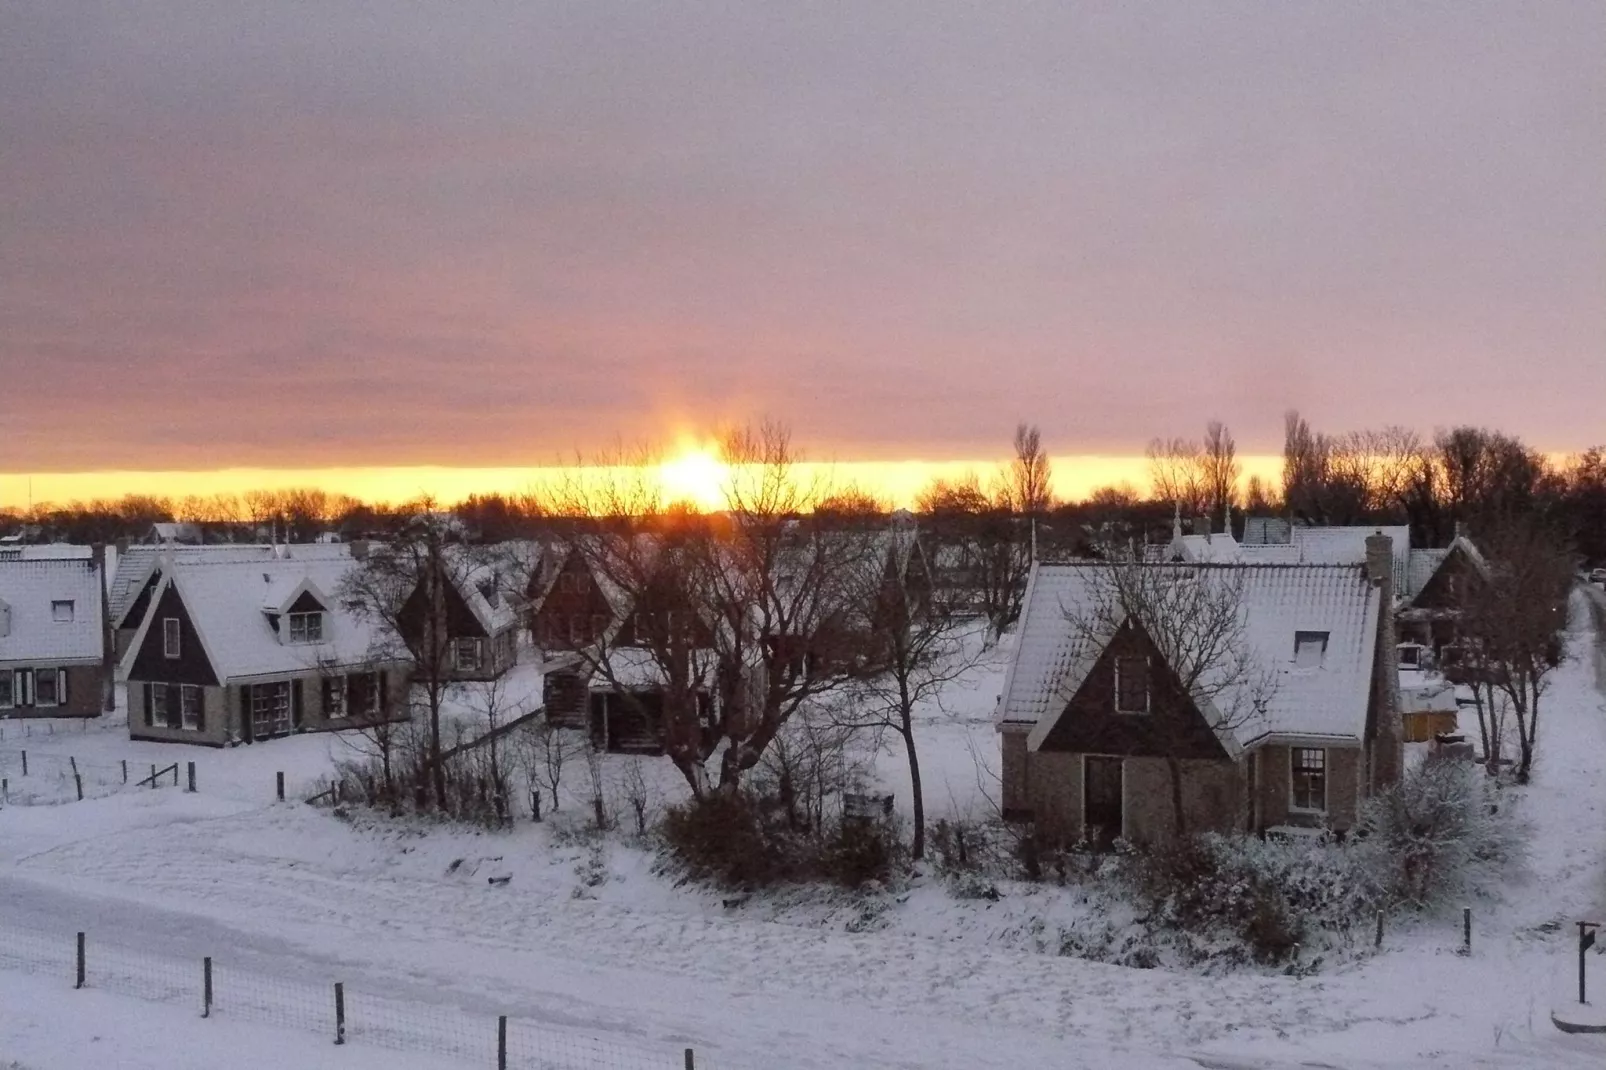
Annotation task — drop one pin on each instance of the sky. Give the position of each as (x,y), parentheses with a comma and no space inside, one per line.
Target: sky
(338,235)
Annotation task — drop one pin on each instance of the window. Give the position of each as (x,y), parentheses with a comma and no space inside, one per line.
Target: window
(1131,685)
(158,703)
(1309,778)
(47,689)
(466,654)
(365,694)
(270,709)
(1310,649)
(61,610)
(306,627)
(170,637)
(189,701)
(7,694)
(334,697)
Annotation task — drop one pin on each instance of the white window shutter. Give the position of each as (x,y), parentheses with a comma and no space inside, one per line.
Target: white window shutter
(61,687)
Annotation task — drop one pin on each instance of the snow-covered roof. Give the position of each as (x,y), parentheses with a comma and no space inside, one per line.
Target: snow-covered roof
(1425,567)
(32,629)
(47,551)
(1304,546)
(635,668)
(226,602)
(135,565)
(483,588)
(1053,656)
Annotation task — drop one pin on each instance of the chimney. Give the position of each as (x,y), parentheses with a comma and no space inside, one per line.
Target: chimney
(1388,748)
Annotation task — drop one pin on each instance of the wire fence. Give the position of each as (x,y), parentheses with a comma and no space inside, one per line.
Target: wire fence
(35,779)
(218,988)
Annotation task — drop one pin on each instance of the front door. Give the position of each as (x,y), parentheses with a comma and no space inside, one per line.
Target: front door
(1101,800)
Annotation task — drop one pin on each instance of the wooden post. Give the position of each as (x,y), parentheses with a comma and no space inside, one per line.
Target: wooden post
(501,1042)
(78,782)
(691,1061)
(125,770)
(24,763)
(206,987)
(1586,940)
(5,789)
(74,763)
(279,777)
(1466,930)
(190,771)
(80,981)
(153,775)
(1379,942)
(340,1013)
(175,774)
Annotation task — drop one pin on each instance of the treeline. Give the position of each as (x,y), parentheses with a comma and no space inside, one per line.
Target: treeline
(1466,476)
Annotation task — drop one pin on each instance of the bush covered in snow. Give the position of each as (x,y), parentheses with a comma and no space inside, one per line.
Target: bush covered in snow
(737,841)
(1232,897)
(1439,833)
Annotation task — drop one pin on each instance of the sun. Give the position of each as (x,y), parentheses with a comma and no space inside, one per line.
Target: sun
(695,475)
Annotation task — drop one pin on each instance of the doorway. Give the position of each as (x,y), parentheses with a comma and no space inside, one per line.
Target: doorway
(1101,800)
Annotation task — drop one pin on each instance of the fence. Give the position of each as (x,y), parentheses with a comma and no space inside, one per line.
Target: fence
(34,779)
(218,988)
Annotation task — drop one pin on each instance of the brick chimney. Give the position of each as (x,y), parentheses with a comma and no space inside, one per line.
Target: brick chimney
(1388,740)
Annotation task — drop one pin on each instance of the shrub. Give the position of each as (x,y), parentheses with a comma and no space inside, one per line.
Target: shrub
(727,839)
(1438,832)
(859,852)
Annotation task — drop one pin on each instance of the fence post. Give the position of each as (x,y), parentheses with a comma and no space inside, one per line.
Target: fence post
(24,763)
(1466,930)
(501,1042)
(78,782)
(279,777)
(153,776)
(125,770)
(74,763)
(190,770)
(691,1061)
(5,789)
(340,1013)
(206,987)
(79,983)
(175,774)
(1379,942)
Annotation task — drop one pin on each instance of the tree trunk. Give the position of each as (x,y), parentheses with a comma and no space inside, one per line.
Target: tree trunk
(917,798)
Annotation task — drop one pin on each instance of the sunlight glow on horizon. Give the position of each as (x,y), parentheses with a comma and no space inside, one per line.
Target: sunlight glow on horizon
(692,473)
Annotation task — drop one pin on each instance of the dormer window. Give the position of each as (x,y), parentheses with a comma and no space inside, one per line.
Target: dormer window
(61,610)
(306,627)
(1310,649)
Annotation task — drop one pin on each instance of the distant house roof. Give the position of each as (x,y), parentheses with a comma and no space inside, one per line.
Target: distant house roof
(1304,546)
(483,589)
(1266,530)
(33,628)
(1425,564)
(46,551)
(1054,655)
(230,603)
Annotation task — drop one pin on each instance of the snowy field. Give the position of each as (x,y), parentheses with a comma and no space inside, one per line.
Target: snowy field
(586,943)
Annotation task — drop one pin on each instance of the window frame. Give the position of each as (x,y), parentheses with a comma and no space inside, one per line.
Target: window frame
(309,621)
(265,700)
(1304,639)
(333,698)
(172,638)
(56,606)
(1316,774)
(8,689)
(458,662)
(54,678)
(1148,685)
(190,718)
(158,714)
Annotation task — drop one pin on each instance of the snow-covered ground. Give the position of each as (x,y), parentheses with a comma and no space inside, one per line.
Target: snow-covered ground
(585,940)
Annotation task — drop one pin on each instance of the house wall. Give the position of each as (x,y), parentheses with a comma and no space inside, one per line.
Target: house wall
(84,684)
(216,709)
(1016,798)
(221,706)
(1050,787)
(1345,787)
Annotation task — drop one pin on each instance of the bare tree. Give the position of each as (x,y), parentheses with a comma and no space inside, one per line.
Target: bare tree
(1219,460)
(1510,629)
(1194,617)
(401,588)
(543,751)
(1028,486)
(1178,473)
(922,649)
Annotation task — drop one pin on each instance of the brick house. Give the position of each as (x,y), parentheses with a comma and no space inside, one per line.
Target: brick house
(1088,728)
(54,653)
(232,651)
